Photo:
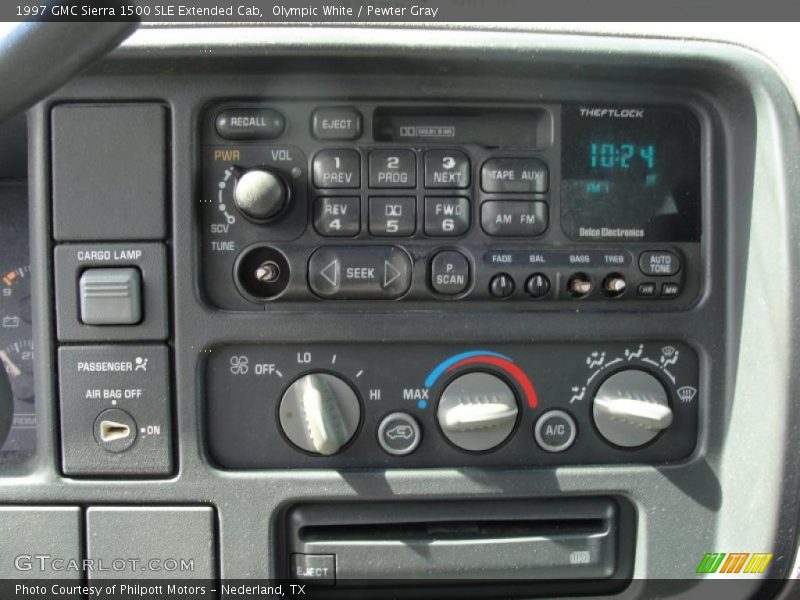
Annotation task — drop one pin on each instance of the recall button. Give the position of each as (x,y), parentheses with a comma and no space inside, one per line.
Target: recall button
(336,123)
(363,273)
(250,124)
(514,218)
(659,263)
(526,175)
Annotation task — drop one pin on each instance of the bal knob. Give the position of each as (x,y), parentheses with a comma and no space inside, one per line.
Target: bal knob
(260,194)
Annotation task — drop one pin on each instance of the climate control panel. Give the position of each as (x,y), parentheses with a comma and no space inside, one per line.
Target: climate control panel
(350,406)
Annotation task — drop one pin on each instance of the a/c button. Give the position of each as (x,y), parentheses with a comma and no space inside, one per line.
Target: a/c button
(555,431)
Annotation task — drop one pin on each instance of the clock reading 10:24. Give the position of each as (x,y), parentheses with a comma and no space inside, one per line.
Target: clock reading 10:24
(621,156)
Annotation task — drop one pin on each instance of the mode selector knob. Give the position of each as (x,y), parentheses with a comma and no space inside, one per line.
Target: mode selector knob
(319,413)
(477,411)
(631,408)
(260,194)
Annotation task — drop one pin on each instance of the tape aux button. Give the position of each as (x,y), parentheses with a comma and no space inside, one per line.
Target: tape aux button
(515,175)
(359,273)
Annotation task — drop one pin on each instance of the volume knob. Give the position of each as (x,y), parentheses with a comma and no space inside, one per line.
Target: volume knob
(631,408)
(319,413)
(260,194)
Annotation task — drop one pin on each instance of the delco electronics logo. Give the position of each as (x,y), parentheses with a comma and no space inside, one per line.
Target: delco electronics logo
(732,563)
(613,113)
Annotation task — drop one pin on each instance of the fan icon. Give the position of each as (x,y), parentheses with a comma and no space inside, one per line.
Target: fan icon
(239,365)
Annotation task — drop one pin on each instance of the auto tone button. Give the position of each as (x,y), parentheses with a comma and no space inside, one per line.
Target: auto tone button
(659,263)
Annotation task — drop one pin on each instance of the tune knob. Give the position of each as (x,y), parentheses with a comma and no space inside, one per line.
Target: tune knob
(631,408)
(260,194)
(477,411)
(319,413)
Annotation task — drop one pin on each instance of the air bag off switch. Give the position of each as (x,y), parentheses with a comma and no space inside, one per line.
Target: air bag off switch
(115,410)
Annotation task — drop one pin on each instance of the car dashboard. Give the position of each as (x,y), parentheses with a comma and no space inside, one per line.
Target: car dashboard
(346,307)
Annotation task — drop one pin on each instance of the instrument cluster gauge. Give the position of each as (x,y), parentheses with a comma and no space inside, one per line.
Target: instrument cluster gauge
(17,412)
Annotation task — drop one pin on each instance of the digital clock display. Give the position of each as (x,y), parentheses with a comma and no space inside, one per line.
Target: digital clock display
(630,174)
(623,156)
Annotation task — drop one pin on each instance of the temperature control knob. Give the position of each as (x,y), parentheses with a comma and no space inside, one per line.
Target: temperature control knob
(631,408)
(260,194)
(319,413)
(477,411)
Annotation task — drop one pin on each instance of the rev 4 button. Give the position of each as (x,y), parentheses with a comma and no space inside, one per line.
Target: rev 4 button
(337,216)
(354,272)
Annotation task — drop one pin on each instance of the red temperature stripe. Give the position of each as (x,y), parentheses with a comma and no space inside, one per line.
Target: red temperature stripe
(509,367)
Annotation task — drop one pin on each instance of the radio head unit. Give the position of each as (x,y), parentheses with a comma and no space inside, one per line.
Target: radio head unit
(540,206)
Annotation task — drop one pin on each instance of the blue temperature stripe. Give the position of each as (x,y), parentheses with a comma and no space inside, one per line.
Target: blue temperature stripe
(446,364)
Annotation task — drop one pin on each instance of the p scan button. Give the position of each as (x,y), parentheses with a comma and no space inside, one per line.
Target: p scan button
(359,273)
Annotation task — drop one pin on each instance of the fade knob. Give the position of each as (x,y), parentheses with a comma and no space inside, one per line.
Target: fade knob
(631,408)
(260,194)
(477,411)
(319,413)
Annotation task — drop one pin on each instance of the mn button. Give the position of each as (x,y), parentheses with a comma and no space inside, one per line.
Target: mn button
(359,273)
